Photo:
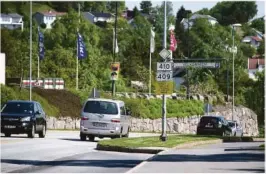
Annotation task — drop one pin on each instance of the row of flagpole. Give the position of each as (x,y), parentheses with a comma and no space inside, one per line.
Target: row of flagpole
(82,53)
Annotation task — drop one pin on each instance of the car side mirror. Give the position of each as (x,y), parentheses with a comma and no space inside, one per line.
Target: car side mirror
(37,112)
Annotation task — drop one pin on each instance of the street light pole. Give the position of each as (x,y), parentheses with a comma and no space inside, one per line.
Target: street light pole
(233,95)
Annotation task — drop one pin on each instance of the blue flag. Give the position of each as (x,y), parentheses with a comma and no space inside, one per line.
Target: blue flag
(82,53)
(41,44)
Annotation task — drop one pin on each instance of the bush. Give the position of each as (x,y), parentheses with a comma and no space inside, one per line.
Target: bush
(14,93)
(143,108)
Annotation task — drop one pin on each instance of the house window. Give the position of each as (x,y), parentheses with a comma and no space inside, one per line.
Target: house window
(6,19)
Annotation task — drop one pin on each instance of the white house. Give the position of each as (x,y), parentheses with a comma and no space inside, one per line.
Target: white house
(252,40)
(47,17)
(255,65)
(11,21)
(190,22)
(95,17)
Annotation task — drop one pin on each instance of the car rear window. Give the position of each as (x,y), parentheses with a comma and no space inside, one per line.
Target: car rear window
(101,107)
(231,124)
(205,120)
(18,108)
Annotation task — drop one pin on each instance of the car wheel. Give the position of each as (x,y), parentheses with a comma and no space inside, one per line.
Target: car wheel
(31,134)
(82,137)
(43,132)
(7,134)
(127,135)
(91,138)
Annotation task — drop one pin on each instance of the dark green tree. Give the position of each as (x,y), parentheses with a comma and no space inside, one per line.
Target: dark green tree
(230,12)
(258,24)
(145,6)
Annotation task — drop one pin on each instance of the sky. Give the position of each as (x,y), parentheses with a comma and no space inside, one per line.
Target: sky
(193,5)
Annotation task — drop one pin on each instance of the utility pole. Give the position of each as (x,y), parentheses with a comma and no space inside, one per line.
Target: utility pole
(30,50)
(163,135)
(188,93)
(115,42)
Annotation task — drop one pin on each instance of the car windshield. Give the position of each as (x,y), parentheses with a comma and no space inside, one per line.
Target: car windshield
(18,108)
(231,124)
(101,107)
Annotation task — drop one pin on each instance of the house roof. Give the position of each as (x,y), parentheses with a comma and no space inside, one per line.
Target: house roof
(15,15)
(52,13)
(196,16)
(256,38)
(5,15)
(103,15)
(254,63)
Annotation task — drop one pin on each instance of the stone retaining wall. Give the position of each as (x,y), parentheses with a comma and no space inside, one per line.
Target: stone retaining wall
(246,117)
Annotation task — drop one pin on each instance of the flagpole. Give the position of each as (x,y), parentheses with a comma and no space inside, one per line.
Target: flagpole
(30,48)
(150,64)
(77,71)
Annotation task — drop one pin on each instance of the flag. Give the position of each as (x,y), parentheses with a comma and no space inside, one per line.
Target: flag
(152,43)
(41,44)
(173,42)
(81,49)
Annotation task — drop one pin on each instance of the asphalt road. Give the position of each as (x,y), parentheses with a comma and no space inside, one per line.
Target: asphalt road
(63,152)
(217,158)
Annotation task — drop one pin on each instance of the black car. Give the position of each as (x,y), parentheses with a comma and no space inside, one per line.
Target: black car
(23,117)
(215,125)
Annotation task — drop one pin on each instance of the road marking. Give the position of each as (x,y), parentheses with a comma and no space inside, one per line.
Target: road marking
(10,141)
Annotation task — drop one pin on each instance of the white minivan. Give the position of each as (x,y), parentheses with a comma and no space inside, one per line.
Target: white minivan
(104,118)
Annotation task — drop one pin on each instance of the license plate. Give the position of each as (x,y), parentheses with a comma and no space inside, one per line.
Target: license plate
(209,126)
(99,124)
(10,127)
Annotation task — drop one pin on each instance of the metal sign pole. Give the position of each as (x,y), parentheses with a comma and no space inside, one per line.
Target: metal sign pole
(163,136)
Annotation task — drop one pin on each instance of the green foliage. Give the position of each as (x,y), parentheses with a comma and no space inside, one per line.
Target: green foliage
(142,108)
(229,12)
(247,50)
(146,6)
(258,24)
(8,93)
(261,49)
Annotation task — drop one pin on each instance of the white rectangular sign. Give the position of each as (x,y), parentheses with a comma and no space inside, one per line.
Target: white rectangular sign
(164,66)
(164,76)
(197,65)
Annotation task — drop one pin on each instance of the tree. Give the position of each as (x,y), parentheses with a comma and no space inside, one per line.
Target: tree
(247,50)
(261,49)
(135,11)
(145,6)
(230,12)
(258,24)
(204,11)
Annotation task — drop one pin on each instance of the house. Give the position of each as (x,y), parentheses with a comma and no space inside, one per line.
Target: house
(95,17)
(128,14)
(11,21)
(252,40)
(47,17)
(255,65)
(190,22)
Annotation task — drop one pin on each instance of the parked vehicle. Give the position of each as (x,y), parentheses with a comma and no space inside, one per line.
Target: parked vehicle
(236,128)
(23,117)
(215,125)
(104,118)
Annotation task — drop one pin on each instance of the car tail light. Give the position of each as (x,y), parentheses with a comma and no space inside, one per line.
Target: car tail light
(84,118)
(115,121)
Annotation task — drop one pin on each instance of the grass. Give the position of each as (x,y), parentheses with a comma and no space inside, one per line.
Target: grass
(262,146)
(155,141)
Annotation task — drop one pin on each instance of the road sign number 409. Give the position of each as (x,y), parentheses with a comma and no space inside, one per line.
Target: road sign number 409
(164,75)
(164,66)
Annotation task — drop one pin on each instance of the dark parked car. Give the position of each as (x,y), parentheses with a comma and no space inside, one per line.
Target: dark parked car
(23,117)
(215,125)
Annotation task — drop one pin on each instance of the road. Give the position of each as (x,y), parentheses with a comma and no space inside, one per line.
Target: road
(63,152)
(217,158)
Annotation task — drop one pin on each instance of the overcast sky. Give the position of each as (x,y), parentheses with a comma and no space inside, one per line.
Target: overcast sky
(193,5)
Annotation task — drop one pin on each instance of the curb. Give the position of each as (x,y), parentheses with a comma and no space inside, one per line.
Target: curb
(129,150)
(237,139)
(186,145)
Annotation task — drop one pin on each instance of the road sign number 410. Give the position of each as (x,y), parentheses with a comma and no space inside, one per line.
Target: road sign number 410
(164,76)
(164,66)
